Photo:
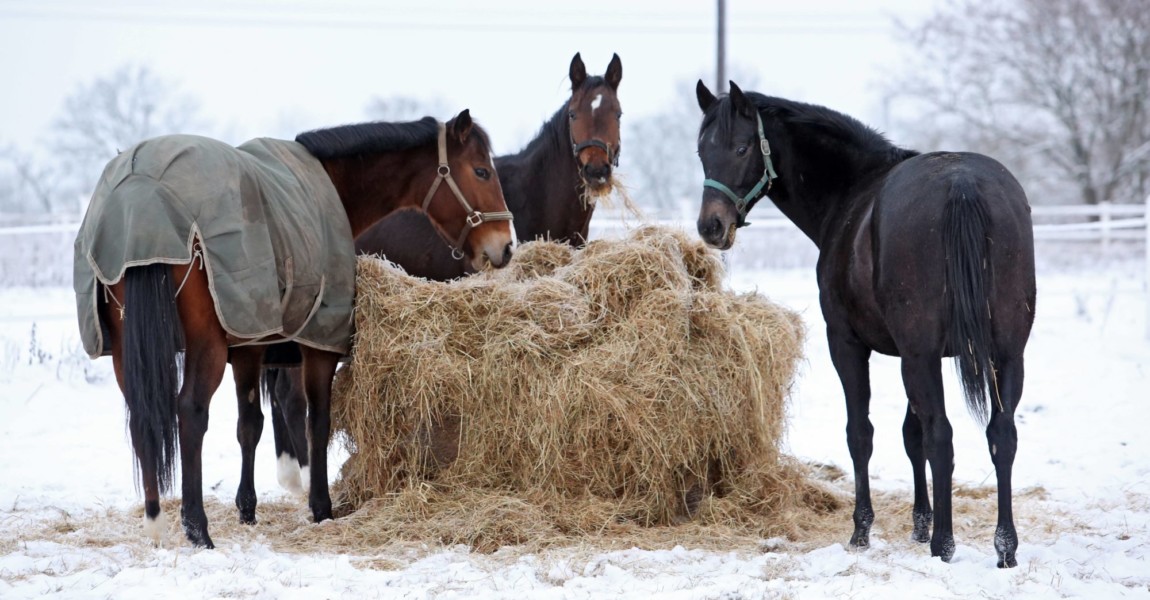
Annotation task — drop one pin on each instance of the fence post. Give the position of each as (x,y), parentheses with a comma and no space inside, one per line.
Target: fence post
(1104,216)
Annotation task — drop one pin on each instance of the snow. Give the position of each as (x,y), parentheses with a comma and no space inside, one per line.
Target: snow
(1082,439)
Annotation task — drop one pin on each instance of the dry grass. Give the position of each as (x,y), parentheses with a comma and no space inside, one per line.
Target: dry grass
(571,394)
(390,533)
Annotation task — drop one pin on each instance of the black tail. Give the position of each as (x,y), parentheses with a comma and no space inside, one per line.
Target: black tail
(153,338)
(968,281)
(268,380)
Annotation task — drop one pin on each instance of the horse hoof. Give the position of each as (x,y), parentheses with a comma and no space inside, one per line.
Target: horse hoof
(922,523)
(943,549)
(200,539)
(247,511)
(860,540)
(1005,543)
(321,512)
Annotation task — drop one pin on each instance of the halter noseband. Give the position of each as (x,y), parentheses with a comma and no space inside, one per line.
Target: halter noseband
(743,205)
(612,157)
(474,218)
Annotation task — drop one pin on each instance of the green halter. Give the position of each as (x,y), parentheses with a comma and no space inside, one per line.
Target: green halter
(743,205)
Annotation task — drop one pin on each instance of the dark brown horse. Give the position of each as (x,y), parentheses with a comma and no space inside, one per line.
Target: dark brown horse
(921,256)
(550,187)
(375,168)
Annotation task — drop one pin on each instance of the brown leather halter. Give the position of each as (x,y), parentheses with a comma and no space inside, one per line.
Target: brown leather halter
(474,218)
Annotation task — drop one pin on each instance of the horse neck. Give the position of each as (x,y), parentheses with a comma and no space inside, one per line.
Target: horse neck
(546,175)
(372,186)
(826,176)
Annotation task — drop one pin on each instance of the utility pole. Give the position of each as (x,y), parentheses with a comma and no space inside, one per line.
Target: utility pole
(721,54)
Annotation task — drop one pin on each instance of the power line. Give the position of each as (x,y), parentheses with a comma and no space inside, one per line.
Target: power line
(327,21)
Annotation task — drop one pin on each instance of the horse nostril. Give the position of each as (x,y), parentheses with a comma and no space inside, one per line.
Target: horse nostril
(507,252)
(710,228)
(597,171)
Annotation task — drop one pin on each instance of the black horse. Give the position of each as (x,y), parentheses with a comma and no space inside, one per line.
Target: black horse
(921,256)
(550,186)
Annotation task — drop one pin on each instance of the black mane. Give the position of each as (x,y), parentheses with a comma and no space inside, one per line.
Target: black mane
(829,124)
(376,137)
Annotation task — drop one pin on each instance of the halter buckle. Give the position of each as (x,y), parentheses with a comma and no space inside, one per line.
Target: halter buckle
(765,147)
(475,219)
(444,170)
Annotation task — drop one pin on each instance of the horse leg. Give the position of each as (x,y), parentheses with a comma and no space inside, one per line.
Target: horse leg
(287,465)
(922,378)
(293,407)
(851,359)
(206,356)
(912,441)
(318,370)
(246,363)
(1002,437)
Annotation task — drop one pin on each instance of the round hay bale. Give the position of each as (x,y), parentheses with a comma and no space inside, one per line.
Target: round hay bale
(625,378)
(536,259)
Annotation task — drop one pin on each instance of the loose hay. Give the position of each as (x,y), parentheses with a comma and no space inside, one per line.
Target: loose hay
(569,394)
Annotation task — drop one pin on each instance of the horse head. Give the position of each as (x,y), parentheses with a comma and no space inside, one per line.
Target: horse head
(736,161)
(593,115)
(469,210)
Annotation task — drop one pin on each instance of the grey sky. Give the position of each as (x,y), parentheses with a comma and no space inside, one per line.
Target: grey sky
(259,67)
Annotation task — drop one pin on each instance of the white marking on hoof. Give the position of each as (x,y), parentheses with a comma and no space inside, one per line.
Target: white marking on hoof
(596,102)
(305,480)
(156,528)
(287,473)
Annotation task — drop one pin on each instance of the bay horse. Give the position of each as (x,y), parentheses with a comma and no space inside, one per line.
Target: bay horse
(375,168)
(921,256)
(550,187)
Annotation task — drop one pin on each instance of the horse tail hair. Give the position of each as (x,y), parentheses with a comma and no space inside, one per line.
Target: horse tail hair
(268,381)
(965,241)
(153,338)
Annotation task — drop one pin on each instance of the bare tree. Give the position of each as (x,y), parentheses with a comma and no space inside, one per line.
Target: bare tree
(405,108)
(659,163)
(113,113)
(1059,90)
(27,186)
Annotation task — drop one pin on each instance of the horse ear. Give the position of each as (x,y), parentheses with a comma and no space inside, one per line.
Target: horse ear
(614,72)
(461,126)
(705,97)
(740,101)
(577,73)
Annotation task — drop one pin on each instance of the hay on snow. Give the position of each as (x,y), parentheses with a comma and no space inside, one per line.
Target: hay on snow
(571,391)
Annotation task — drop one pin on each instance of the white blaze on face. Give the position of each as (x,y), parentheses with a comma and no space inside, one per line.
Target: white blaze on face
(596,102)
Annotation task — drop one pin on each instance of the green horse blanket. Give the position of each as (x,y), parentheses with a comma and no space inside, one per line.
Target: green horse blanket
(264,217)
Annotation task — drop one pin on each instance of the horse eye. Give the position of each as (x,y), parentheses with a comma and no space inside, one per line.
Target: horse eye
(482,173)
(571,115)
(619,115)
(741,151)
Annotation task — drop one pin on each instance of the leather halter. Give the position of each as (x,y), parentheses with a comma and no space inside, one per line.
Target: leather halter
(474,218)
(746,203)
(576,148)
(612,157)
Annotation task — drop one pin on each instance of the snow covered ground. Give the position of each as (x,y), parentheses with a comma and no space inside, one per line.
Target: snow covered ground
(1083,468)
